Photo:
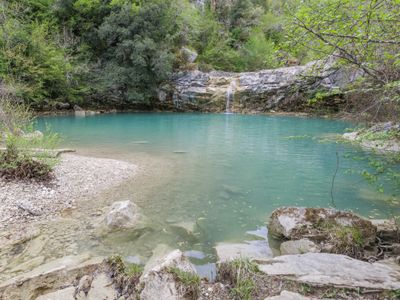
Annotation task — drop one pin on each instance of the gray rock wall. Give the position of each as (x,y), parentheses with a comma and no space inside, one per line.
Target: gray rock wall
(253,92)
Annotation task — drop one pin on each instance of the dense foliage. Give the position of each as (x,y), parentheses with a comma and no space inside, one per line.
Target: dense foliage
(117,52)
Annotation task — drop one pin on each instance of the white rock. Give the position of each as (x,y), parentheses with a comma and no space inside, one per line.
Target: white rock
(286,295)
(351,136)
(333,269)
(188,54)
(123,214)
(159,284)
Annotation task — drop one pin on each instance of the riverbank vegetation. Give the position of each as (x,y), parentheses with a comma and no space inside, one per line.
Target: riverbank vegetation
(24,155)
(58,53)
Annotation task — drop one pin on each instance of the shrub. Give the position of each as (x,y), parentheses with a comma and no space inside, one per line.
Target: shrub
(16,166)
(23,157)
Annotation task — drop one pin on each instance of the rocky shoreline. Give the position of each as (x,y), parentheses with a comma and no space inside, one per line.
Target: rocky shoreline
(305,274)
(75,178)
(382,137)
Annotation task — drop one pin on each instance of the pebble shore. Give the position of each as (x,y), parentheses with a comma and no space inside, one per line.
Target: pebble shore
(75,177)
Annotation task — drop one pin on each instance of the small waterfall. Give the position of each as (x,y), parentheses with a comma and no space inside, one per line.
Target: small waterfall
(230,96)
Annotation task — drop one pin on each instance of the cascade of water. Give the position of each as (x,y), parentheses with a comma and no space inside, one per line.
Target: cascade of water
(230,95)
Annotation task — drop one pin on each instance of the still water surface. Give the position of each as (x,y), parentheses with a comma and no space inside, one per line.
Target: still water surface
(219,175)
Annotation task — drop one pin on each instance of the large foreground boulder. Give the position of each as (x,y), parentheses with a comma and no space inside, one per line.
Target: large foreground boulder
(298,222)
(334,270)
(160,283)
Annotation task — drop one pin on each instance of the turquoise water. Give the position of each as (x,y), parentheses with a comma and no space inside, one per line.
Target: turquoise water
(227,173)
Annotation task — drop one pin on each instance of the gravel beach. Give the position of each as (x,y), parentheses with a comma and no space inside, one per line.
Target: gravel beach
(75,178)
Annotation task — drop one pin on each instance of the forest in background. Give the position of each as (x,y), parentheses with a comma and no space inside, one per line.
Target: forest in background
(88,51)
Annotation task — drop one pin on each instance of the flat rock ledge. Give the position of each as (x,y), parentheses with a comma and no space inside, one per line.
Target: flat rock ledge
(75,178)
(380,137)
(333,270)
(92,278)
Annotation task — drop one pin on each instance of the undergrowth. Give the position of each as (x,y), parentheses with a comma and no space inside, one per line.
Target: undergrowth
(188,283)
(126,277)
(239,274)
(19,166)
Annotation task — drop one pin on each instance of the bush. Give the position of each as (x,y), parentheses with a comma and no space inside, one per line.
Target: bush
(24,156)
(16,166)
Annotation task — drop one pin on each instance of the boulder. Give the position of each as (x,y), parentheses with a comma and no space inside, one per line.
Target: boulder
(188,55)
(63,105)
(298,222)
(299,247)
(123,214)
(159,283)
(325,269)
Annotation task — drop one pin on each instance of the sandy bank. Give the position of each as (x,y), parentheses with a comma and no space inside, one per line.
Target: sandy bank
(76,178)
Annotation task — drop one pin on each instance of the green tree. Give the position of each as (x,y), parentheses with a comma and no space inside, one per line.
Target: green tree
(362,33)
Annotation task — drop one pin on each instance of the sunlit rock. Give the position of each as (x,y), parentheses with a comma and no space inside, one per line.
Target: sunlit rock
(333,270)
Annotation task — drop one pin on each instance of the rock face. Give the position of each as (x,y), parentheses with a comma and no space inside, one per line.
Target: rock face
(159,283)
(293,222)
(123,214)
(334,270)
(253,91)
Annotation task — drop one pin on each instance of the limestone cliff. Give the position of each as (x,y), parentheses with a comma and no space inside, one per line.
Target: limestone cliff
(250,92)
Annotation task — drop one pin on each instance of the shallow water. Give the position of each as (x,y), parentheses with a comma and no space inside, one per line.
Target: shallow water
(217,175)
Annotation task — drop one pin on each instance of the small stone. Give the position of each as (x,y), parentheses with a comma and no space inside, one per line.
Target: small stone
(285,295)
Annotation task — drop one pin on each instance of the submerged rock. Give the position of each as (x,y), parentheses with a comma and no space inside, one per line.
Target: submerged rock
(333,270)
(123,214)
(257,249)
